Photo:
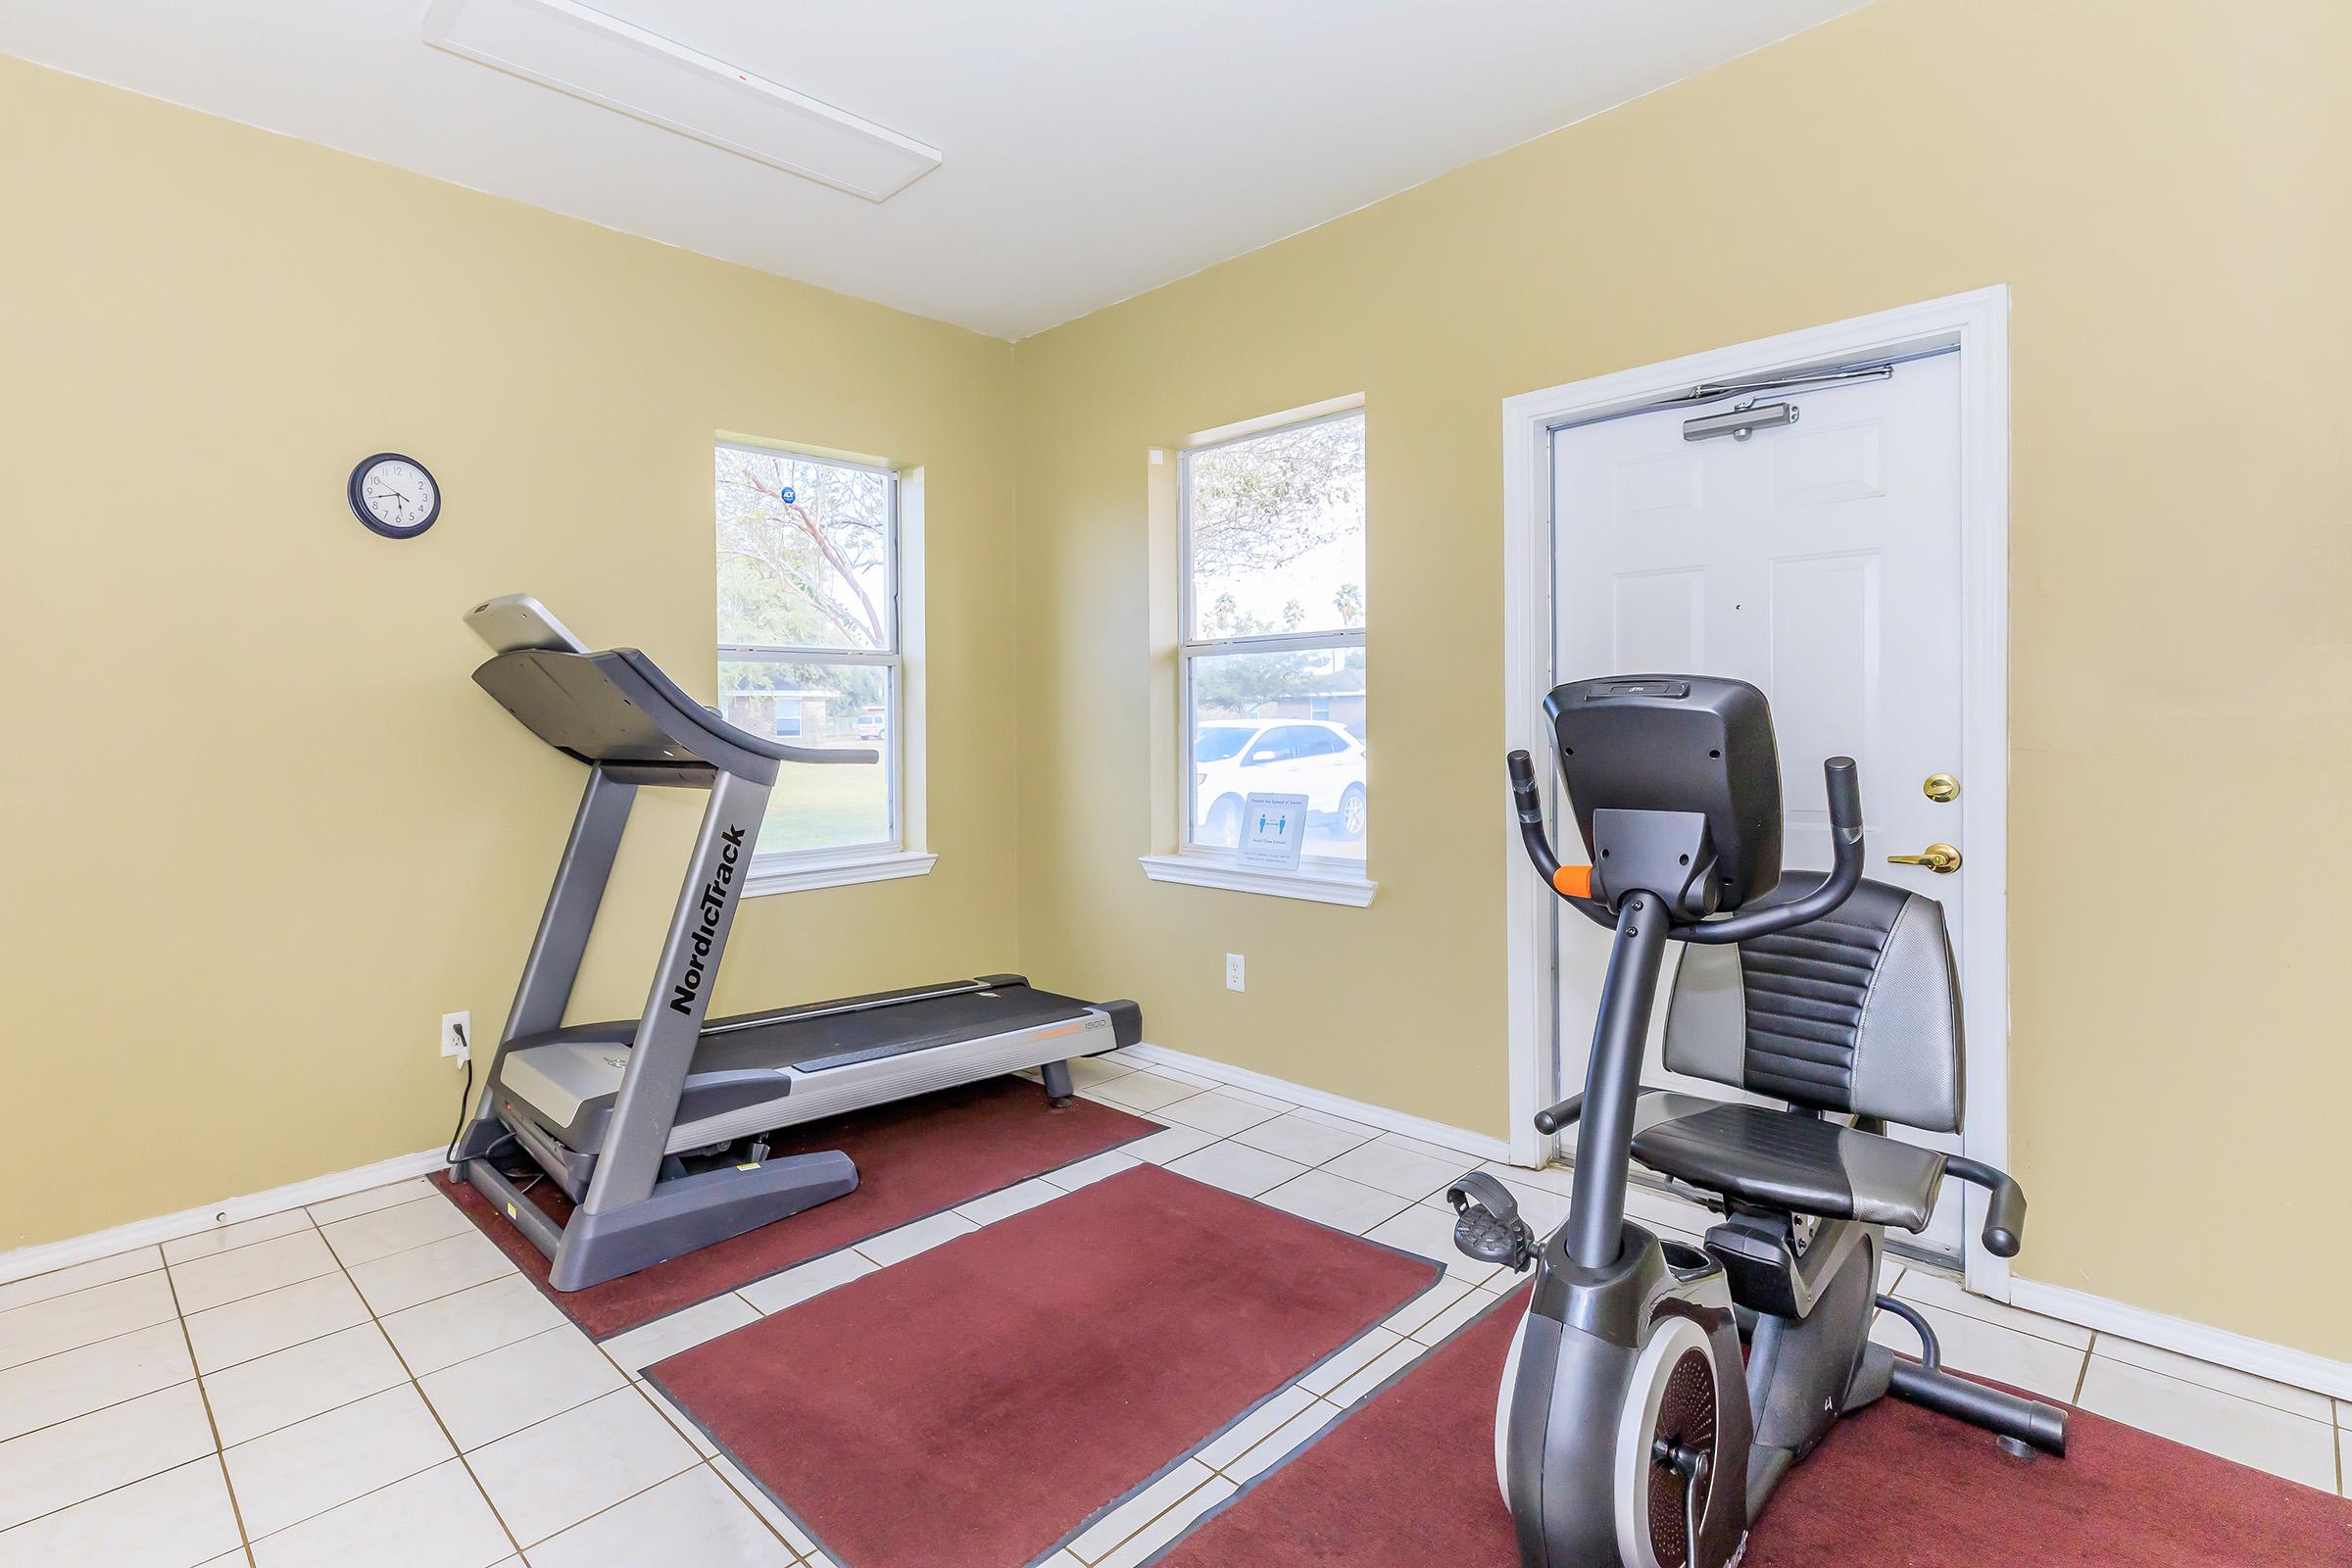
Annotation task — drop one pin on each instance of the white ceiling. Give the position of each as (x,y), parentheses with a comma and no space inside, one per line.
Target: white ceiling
(1093,148)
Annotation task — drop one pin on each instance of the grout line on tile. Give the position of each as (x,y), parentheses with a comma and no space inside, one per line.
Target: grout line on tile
(2191,1382)
(662,1407)
(1142,1525)
(250,1220)
(126,1485)
(700,1463)
(475,1230)
(92,1343)
(757,1514)
(362,1497)
(237,1510)
(419,1379)
(1996,1314)
(88,1262)
(94,1410)
(254,1295)
(296,1344)
(418,1389)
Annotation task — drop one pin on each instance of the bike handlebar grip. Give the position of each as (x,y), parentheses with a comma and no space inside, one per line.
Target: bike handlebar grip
(1531,817)
(2005,1220)
(1523,789)
(2005,1215)
(1551,1118)
(1845,795)
(1845,873)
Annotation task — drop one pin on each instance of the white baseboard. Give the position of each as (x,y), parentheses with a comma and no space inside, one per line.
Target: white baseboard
(2299,1369)
(1482,1145)
(41,1259)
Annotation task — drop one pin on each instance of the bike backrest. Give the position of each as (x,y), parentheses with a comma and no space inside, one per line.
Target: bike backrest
(1856,1012)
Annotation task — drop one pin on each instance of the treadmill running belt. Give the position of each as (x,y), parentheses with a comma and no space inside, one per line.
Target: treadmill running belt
(838,1039)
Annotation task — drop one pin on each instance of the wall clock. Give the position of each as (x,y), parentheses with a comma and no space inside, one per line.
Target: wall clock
(394,495)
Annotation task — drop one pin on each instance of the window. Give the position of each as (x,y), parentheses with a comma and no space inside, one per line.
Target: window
(809,647)
(1273,644)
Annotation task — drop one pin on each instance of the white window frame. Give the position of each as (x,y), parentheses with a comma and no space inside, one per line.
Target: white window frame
(1320,878)
(839,864)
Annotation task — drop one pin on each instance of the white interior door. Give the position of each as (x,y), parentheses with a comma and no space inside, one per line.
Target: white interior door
(1819,560)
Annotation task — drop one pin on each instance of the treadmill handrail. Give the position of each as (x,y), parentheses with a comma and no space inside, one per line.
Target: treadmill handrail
(619,710)
(709,719)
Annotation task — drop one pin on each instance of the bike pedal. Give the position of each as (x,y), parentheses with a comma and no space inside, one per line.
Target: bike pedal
(1493,1239)
(1487,1225)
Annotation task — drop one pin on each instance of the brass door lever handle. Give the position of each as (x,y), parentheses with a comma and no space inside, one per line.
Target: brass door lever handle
(1941,858)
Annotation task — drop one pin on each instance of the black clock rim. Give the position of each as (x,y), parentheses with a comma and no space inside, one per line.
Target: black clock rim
(368,520)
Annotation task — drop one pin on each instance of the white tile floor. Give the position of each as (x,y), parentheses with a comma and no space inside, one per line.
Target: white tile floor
(371,1382)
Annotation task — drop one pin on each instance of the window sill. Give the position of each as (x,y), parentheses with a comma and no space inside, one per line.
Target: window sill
(1217,871)
(800,876)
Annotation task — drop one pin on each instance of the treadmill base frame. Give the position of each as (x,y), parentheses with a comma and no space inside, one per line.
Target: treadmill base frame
(684,1212)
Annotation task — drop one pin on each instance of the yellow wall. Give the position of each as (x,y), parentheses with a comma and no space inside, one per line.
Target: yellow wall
(261,829)
(2165,192)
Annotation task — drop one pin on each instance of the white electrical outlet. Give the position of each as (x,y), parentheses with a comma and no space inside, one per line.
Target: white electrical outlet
(1233,971)
(457,1035)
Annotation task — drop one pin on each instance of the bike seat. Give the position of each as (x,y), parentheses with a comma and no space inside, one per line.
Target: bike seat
(1784,1159)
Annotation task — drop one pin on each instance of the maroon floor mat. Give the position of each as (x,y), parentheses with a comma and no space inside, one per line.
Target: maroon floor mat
(914,1157)
(979,1403)
(1408,1481)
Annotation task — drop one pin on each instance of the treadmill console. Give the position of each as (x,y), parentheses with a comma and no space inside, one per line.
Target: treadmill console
(514,621)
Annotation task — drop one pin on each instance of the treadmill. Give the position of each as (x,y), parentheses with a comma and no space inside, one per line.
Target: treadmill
(654,1127)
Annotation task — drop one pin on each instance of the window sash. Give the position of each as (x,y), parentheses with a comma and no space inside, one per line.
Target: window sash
(888,657)
(1190,647)
(789,654)
(1187,716)
(1188,628)
(889,558)
(893,755)
(1353,410)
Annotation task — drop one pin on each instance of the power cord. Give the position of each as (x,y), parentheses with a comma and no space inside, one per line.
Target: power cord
(448,1156)
(465,1095)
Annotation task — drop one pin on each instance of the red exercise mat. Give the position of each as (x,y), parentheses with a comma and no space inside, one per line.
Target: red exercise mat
(1408,1481)
(981,1403)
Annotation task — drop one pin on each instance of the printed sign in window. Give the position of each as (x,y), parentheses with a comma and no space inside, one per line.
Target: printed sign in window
(1273,831)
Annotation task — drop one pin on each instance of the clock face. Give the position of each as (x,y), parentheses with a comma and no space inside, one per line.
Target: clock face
(394,495)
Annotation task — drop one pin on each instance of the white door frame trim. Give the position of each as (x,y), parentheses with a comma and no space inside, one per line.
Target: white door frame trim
(1978,325)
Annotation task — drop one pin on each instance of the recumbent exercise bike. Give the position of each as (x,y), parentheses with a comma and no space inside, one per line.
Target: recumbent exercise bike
(1627,1431)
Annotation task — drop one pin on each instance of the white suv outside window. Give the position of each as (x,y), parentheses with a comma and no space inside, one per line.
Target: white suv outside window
(1236,757)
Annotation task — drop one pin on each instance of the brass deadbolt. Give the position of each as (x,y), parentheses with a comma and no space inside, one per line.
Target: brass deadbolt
(1941,788)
